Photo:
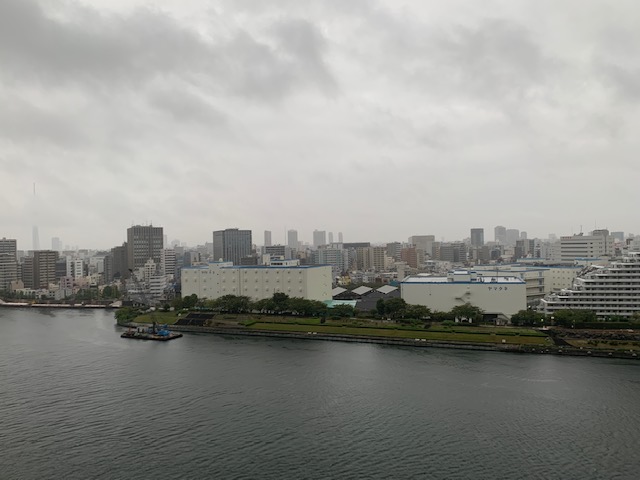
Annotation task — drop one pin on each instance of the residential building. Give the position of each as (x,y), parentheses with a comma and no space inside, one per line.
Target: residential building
(498,297)
(279,251)
(168,261)
(608,291)
(423,242)
(333,255)
(39,269)
(231,245)
(8,262)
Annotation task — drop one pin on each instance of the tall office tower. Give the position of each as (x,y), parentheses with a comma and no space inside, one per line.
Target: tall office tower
(144,243)
(500,234)
(319,238)
(340,237)
(513,234)
(231,245)
(35,238)
(267,238)
(423,242)
(523,235)
(292,239)
(477,237)
(8,262)
(330,237)
(618,236)
(56,244)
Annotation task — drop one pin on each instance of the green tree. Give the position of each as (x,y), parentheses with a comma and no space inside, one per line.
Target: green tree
(527,318)
(395,307)
(126,314)
(342,310)
(281,302)
(468,312)
(418,312)
(380,307)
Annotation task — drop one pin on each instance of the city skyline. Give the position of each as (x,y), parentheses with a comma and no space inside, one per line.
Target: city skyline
(372,118)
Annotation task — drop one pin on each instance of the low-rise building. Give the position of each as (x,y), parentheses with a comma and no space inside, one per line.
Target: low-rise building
(312,282)
(498,296)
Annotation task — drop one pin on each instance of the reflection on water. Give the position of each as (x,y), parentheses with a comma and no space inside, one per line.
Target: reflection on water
(77,401)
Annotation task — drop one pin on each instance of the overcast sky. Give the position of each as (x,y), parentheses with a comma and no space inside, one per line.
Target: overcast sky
(380,119)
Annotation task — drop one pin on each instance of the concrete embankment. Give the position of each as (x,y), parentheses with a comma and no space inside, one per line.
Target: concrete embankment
(51,305)
(406,342)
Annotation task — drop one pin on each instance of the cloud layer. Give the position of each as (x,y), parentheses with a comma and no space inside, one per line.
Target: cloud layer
(378,119)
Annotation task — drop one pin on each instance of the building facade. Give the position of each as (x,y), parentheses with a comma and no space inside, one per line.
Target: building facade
(257,282)
(144,242)
(231,245)
(500,297)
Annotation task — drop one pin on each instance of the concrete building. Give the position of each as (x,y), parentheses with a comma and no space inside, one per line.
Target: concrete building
(144,242)
(257,282)
(500,235)
(598,244)
(292,239)
(267,238)
(39,269)
(231,245)
(319,238)
(333,255)
(455,252)
(8,263)
(513,235)
(423,242)
(477,237)
(279,251)
(168,261)
(608,291)
(498,297)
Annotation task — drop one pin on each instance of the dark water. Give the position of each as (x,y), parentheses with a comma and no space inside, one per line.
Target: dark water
(77,401)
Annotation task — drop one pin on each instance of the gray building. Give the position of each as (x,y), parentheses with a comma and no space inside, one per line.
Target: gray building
(231,245)
(292,239)
(477,237)
(500,234)
(319,238)
(144,242)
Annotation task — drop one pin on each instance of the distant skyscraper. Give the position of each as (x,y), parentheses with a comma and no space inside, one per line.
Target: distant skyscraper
(144,243)
(477,237)
(319,238)
(231,245)
(330,237)
(340,240)
(523,235)
(500,234)
(292,239)
(267,238)
(513,235)
(35,236)
(56,244)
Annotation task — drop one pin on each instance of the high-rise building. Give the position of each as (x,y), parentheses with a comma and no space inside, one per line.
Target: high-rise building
(8,263)
(168,261)
(423,242)
(340,237)
(477,237)
(56,244)
(513,234)
(283,251)
(39,270)
(231,245)
(500,234)
(330,237)
(144,242)
(267,238)
(319,238)
(292,239)
(596,245)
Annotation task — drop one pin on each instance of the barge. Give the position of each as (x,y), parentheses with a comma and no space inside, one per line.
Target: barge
(152,333)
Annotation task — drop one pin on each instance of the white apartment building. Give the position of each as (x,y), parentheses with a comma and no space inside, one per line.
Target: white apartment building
(612,290)
(501,296)
(312,282)
(168,261)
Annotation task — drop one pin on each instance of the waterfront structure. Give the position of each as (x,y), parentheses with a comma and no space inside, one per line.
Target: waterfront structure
(477,237)
(312,282)
(608,291)
(499,297)
(144,242)
(231,245)
(596,245)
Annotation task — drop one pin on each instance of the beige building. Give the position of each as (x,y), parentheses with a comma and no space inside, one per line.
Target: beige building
(500,296)
(312,282)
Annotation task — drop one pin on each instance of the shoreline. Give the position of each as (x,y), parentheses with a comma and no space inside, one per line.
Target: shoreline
(405,342)
(51,305)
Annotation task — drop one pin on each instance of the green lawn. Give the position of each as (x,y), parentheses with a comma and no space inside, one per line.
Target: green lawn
(168,318)
(399,333)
